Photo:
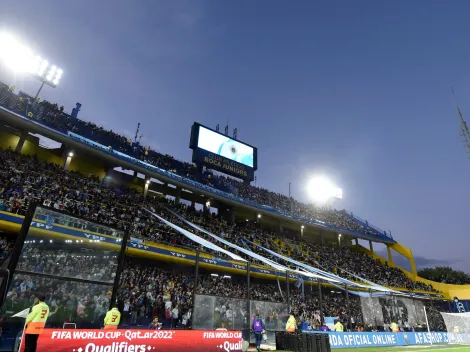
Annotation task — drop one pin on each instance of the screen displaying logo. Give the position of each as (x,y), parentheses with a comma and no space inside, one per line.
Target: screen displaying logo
(225,147)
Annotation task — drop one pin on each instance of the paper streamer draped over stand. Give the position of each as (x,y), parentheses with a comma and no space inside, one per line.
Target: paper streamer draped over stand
(254,255)
(196,238)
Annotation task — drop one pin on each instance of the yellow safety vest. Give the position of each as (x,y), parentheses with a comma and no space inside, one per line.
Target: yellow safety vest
(112,319)
(394,327)
(36,320)
(339,327)
(291,324)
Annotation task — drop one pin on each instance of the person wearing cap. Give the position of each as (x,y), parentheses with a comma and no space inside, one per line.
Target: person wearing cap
(112,318)
(35,323)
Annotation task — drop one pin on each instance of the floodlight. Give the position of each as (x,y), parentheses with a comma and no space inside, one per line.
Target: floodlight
(302,227)
(51,73)
(71,154)
(321,189)
(259,216)
(41,67)
(15,55)
(147,182)
(57,77)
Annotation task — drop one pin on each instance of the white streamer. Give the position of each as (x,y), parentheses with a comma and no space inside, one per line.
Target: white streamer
(196,238)
(269,262)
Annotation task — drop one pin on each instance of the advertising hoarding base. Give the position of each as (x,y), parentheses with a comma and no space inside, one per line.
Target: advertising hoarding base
(389,339)
(139,341)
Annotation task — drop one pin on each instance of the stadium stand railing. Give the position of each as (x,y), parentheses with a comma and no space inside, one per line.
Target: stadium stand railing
(366,224)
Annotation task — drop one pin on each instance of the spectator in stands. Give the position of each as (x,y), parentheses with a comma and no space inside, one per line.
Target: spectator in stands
(23,178)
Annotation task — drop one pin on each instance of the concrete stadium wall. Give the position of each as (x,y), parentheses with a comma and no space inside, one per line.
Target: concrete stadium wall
(86,165)
(30,147)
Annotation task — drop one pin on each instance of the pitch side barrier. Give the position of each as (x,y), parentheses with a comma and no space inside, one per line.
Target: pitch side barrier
(216,340)
(62,340)
(389,339)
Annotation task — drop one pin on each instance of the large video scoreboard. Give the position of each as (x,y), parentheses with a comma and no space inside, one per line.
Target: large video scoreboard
(222,153)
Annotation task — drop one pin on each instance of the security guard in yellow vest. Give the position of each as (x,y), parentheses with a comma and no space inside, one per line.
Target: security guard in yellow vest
(291,325)
(112,318)
(394,327)
(338,326)
(35,323)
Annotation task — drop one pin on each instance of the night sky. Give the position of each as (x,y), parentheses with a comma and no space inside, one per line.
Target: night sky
(357,90)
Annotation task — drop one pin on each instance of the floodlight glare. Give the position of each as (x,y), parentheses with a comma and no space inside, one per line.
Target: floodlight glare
(321,189)
(51,73)
(57,77)
(18,57)
(42,67)
(14,54)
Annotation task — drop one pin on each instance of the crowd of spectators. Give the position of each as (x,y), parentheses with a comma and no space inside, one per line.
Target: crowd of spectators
(23,178)
(167,293)
(153,291)
(53,116)
(6,244)
(60,262)
(344,261)
(82,304)
(149,291)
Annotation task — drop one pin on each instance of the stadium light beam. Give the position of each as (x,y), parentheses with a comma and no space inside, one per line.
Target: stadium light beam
(321,190)
(19,58)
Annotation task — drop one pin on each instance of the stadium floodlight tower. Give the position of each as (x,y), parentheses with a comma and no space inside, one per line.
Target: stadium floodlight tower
(323,191)
(19,58)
